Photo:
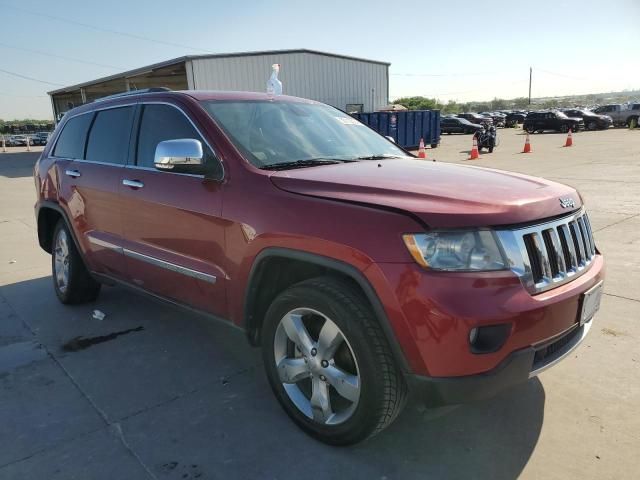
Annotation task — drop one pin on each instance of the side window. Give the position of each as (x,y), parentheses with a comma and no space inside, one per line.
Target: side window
(163,122)
(73,137)
(110,135)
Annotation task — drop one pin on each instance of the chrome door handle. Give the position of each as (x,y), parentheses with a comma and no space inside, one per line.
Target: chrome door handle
(133,183)
(72,173)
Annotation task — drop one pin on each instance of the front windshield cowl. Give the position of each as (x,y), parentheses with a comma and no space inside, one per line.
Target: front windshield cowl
(271,133)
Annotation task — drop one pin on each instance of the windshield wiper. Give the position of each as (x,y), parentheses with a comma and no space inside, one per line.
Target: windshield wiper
(381,156)
(310,162)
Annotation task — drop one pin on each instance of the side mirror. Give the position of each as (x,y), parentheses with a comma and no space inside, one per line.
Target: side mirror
(179,155)
(390,138)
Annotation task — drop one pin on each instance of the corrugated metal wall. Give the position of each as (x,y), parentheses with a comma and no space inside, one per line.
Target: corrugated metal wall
(333,80)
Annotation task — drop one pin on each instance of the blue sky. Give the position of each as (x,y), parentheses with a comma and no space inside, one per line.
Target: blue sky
(462,50)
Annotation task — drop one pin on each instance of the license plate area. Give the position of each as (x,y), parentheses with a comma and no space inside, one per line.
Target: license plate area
(590,303)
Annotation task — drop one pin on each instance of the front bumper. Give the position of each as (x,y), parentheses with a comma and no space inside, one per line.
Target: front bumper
(517,368)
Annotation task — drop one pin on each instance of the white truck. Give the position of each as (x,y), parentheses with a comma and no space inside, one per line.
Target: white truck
(621,114)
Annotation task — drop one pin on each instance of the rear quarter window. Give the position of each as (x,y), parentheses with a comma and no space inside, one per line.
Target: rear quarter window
(73,137)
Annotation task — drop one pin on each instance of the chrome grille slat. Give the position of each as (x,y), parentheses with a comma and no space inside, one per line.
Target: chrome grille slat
(550,254)
(566,234)
(541,250)
(585,238)
(590,233)
(557,251)
(577,240)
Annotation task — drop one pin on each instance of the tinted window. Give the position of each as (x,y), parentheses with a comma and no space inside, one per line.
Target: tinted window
(159,123)
(109,136)
(73,137)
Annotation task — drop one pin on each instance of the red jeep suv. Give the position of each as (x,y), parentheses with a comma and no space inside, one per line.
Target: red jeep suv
(362,272)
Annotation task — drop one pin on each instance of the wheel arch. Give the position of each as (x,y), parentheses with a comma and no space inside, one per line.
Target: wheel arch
(48,214)
(275,269)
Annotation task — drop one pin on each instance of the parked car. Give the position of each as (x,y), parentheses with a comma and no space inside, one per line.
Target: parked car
(515,118)
(592,121)
(17,141)
(476,118)
(621,114)
(458,125)
(363,273)
(40,138)
(554,120)
(497,117)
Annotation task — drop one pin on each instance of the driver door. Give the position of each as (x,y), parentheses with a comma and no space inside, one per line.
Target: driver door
(172,226)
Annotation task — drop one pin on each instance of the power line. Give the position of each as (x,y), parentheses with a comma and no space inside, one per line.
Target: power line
(5,94)
(463,74)
(25,77)
(46,54)
(103,29)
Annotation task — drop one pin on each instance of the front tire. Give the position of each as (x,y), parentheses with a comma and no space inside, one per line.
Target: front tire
(329,363)
(71,280)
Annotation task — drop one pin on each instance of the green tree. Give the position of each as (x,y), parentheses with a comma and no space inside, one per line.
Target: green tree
(417,103)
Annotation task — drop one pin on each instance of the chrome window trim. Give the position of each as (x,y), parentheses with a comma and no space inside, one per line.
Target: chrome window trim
(170,266)
(149,169)
(517,256)
(202,137)
(128,165)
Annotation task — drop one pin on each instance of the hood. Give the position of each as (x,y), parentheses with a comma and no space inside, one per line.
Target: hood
(442,195)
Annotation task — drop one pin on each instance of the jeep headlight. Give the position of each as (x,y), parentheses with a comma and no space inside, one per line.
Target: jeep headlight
(464,250)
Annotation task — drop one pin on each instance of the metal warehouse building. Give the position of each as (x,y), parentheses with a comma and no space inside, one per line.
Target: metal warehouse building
(349,83)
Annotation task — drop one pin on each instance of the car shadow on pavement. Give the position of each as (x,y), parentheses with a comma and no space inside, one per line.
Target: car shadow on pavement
(493,439)
(17,165)
(189,397)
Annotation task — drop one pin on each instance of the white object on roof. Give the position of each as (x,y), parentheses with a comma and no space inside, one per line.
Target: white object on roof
(274,86)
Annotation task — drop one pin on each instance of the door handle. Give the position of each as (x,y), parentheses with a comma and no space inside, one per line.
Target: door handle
(72,173)
(132,183)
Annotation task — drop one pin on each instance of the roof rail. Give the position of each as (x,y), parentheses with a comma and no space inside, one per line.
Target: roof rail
(134,92)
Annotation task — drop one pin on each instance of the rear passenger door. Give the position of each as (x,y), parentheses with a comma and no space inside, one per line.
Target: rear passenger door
(173,230)
(95,147)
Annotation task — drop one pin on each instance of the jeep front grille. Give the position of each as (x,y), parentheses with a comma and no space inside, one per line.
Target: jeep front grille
(550,254)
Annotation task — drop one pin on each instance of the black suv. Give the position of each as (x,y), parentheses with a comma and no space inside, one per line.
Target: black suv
(592,121)
(557,121)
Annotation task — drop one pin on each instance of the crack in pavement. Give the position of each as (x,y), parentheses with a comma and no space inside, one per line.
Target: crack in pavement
(618,222)
(623,297)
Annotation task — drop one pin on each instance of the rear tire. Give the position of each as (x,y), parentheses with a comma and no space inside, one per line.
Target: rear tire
(323,308)
(72,281)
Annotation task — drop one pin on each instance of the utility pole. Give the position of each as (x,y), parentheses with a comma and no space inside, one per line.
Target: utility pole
(530,73)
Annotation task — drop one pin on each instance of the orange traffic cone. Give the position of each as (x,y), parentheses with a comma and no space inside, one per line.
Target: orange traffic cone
(421,151)
(569,141)
(474,151)
(527,145)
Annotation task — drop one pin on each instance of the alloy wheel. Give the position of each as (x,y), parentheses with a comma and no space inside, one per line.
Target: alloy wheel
(317,366)
(61,260)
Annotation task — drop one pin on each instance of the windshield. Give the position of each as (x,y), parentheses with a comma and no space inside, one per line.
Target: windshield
(561,115)
(270,133)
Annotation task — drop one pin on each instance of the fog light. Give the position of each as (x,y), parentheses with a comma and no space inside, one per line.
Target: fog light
(473,335)
(489,339)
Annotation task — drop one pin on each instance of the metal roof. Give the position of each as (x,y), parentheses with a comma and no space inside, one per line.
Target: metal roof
(174,61)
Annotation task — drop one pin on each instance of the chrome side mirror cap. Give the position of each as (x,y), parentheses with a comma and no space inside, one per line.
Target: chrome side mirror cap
(182,152)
